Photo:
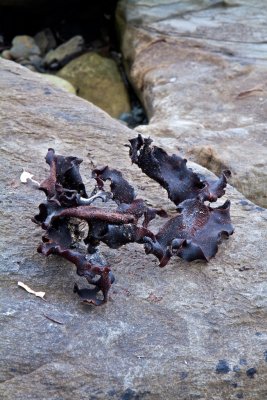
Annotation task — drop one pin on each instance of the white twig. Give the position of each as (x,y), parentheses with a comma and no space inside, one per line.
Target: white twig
(26,177)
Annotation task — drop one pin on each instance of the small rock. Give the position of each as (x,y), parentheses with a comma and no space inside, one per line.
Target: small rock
(36,61)
(97,79)
(6,54)
(23,47)
(45,40)
(222,367)
(28,65)
(65,52)
(134,118)
(251,372)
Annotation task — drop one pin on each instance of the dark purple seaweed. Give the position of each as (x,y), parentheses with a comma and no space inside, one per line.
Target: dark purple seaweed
(192,234)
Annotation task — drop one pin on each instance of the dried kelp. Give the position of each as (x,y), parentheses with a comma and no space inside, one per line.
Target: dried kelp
(172,174)
(193,233)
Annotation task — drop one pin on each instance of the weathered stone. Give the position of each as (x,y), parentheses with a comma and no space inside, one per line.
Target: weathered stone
(65,52)
(58,82)
(201,69)
(45,40)
(23,47)
(97,79)
(28,65)
(33,62)
(187,331)
(6,54)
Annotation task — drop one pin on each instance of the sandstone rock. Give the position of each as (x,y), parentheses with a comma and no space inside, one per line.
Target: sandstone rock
(200,68)
(97,79)
(58,82)
(187,331)
(23,47)
(65,52)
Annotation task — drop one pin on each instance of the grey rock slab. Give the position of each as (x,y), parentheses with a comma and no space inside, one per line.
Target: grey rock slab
(200,68)
(187,331)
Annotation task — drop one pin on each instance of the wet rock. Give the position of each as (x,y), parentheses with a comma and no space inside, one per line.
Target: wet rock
(135,117)
(23,47)
(201,71)
(45,40)
(132,347)
(97,79)
(64,53)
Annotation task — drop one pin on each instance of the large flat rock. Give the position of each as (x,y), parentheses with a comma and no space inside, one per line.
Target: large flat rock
(200,68)
(187,331)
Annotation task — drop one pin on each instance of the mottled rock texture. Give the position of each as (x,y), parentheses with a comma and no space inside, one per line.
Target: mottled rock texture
(187,331)
(200,68)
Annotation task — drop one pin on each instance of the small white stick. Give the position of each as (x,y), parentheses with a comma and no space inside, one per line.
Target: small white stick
(26,177)
(29,290)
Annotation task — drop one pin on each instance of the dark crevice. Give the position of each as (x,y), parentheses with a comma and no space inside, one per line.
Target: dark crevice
(94,21)
(66,18)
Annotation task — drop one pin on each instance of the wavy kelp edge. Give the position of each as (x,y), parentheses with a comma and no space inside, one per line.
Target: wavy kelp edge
(192,234)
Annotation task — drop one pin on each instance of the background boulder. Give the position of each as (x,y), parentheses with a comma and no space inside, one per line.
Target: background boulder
(200,68)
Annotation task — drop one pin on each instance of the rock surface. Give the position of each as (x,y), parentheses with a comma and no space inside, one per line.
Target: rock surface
(23,47)
(25,51)
(201,70)
(45,40)
(97,79)
(59,82)
(187,331)
(65,52)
